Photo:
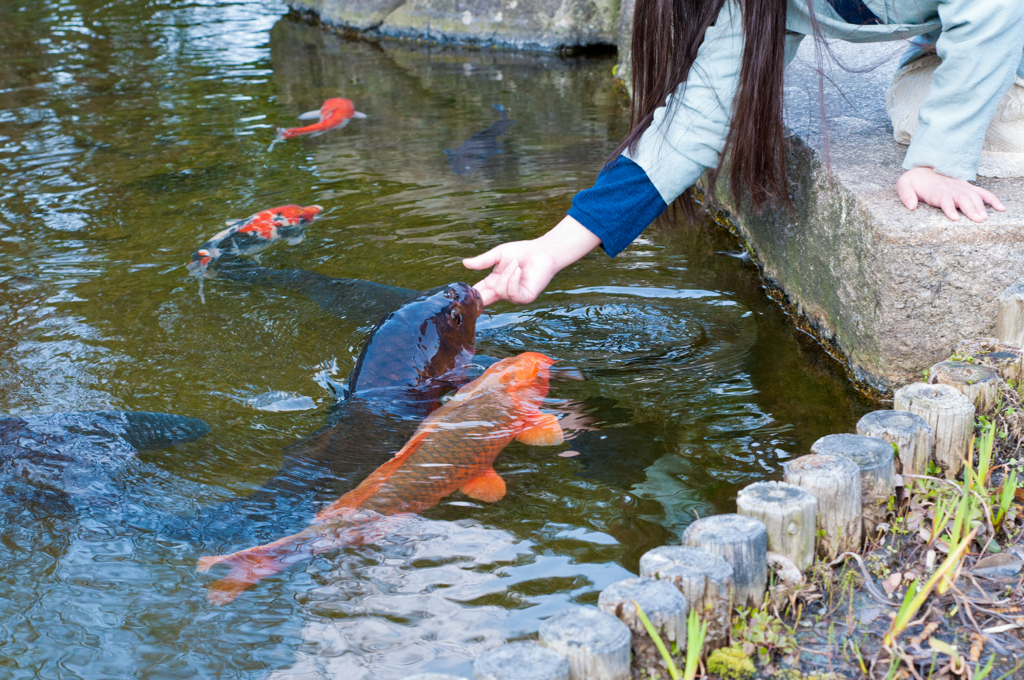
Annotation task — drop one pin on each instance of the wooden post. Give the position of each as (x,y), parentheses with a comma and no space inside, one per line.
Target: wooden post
(434,676)
(705,579)
(789,514)
(665,607)
(743,542)
(1006,360)
(596,644)
(951,416)
(874,457)
(521,660)
(978,383)
(1010,321)
(1008,363)
(908,432)
(835,482)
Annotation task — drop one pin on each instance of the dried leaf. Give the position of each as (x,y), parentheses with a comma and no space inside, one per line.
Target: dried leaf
(890,584)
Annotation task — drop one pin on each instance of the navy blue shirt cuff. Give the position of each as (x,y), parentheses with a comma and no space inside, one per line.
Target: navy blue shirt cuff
(620,205)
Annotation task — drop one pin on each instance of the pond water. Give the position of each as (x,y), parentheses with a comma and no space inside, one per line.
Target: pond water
(130,131)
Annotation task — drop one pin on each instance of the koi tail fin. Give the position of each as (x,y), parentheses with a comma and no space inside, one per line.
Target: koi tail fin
(247,568)
(280,136)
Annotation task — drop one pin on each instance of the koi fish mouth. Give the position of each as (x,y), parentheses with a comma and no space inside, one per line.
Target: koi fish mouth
(200,261)
(478,299)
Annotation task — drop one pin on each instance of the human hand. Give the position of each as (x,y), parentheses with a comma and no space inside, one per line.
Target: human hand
(523,269)
(521,272)
(946,193)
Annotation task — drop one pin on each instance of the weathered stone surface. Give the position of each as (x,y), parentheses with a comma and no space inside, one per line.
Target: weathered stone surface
(889,289)
(624,43)
(529,24)
(358,14)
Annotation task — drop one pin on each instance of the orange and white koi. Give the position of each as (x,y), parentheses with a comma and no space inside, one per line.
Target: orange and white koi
(255,234)
(334,113)
(453,449)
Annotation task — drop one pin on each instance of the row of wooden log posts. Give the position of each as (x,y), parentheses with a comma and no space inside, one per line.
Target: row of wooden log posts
(829,500)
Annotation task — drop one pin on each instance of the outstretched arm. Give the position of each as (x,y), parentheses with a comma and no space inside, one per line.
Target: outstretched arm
(685,137)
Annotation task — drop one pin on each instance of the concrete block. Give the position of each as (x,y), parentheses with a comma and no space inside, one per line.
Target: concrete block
(886,290)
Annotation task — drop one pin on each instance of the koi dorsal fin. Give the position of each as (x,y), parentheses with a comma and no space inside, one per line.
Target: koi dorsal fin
(541,429)
(488,487)
(357,496)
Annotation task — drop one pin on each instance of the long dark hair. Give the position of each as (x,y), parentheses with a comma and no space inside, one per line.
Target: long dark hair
(666,37)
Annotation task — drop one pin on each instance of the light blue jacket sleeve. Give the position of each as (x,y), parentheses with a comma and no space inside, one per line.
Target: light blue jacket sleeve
(980,45)
(687,135)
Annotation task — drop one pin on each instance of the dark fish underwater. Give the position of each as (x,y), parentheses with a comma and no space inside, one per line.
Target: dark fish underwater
(77,456)
(413,356)
(474,153)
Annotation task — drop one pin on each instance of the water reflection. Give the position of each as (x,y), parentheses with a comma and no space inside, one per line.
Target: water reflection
(129,132)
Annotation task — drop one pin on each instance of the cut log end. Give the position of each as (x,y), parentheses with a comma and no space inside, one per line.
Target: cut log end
(790,516)
(704,578)
(596,643)
(743,543)
(950,415)
(978,383)
(875,458)
(1010,319)
(521,660)
(665,607)
(909,433)
(835,482)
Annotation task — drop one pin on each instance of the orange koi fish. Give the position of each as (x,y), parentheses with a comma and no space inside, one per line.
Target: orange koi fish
(335,112)
(254,235)
(452,450)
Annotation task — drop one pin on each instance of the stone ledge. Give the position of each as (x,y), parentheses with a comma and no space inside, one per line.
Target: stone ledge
(546,25)
(890,290)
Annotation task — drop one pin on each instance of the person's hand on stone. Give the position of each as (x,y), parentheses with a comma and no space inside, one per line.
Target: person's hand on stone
(946,193)
(523,269)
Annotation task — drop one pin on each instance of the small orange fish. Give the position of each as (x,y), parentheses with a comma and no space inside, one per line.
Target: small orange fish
(452,450)
(335,112)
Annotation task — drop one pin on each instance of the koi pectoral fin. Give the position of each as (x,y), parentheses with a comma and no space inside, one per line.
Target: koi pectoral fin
(488,487)
(542,429)
(310,115)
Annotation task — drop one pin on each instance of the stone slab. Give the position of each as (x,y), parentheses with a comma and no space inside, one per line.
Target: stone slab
(888,290)
(546,25)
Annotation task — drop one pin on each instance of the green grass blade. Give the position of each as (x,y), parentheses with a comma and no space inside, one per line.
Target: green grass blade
(696,630)
(665,655)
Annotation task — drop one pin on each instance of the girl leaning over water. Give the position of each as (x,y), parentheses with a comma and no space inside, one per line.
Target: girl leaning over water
(707,78)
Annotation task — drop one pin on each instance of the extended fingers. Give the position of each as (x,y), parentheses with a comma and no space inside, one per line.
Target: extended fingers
(484,260)
(487,294)
(948,205)
(990,198)
(971,205)
(503,284)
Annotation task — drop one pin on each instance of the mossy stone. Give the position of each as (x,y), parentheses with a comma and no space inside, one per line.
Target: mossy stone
(730,663)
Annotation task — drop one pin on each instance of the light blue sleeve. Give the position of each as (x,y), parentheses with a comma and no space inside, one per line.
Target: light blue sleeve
(980,45)
(687,135)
